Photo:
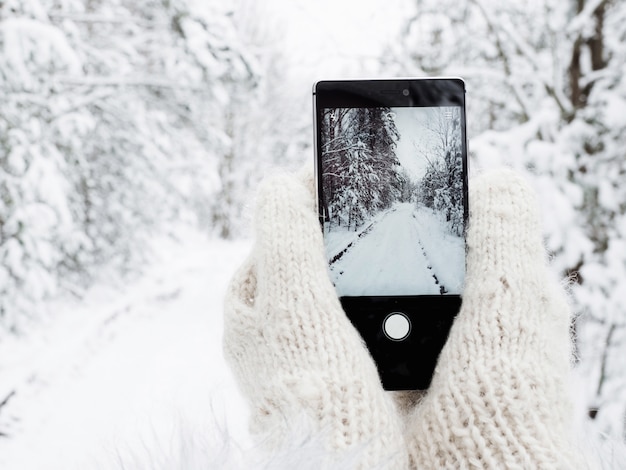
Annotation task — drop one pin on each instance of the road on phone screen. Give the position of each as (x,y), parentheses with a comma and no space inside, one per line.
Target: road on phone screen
(405,251)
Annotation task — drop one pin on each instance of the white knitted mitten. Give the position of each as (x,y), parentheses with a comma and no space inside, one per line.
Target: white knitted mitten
(291,346)
(498,398)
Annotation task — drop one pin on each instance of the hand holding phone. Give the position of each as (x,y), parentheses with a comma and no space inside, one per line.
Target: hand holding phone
(308,379)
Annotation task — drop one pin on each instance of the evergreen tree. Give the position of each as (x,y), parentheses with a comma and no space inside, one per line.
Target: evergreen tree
(361,172)
(441,187)
(111,129)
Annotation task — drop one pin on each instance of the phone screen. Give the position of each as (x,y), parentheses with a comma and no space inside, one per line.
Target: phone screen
(392,196)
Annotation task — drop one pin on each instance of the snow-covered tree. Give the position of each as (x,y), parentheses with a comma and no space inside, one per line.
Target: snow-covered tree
(112,129)
(262,122)
(441,187)
(546,95)
(361,172)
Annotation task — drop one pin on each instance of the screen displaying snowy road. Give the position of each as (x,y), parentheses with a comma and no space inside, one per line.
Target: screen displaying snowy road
(392,195)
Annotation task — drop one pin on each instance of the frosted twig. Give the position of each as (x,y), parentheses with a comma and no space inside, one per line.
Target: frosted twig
(86,18)
(125,81)
(577,25)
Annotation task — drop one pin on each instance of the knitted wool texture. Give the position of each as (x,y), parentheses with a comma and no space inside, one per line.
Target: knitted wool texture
(498,398)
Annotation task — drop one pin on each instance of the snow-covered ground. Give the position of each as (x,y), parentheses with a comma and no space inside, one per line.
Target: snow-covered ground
(407,251)
(446,252)
(131,374)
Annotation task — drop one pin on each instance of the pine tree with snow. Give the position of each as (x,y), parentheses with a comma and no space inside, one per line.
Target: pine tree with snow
(441,187)
(361,172)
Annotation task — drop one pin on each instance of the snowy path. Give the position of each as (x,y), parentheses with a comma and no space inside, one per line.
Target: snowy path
(394,257)
(127,372)
(388,260)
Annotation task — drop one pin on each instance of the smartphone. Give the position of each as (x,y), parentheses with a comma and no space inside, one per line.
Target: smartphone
(391,172)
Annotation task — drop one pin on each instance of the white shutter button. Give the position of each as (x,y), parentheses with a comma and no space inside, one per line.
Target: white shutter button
(396,326)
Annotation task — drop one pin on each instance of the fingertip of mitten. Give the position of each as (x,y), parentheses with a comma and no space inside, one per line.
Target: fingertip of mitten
(307,178)
(281,191)
(498,176)
(285,213)
(504,188)
(289,248)
(504,216)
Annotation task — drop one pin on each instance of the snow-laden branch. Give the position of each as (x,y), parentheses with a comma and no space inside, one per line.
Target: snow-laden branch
(120,114)
(577,26)
(327,144)
(595,75)
(146,82)
(25,97)
(82,103)
(517,93)
(476,72)
(90,18)
(527,52)
(326,152)
(507,77)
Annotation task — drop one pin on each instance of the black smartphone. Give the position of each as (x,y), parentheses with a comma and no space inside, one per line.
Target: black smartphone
(391,171)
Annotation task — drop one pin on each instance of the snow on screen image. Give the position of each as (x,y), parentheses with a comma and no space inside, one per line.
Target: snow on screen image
(392,196)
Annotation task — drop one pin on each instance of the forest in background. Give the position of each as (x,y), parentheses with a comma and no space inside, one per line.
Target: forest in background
(121,120)
(441,187)
(362,174)
(546,94)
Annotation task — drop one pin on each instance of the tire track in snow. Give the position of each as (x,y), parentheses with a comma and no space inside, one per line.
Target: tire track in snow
(386,260)
(442,288)
(364,232)
(338,256)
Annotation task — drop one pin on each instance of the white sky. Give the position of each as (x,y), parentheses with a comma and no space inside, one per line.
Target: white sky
(327,39)
(415,138)
(339,38)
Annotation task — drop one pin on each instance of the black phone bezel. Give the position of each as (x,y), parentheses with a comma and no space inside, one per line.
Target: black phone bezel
(407,364)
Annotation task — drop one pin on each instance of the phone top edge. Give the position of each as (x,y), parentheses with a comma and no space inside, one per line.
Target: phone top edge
(389,92)
(385,79)
(380,79)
